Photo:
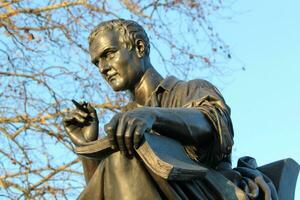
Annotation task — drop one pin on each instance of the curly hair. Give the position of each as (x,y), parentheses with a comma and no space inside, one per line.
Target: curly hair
(129,32)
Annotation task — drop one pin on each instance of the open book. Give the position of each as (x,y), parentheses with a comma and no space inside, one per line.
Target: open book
(164,156)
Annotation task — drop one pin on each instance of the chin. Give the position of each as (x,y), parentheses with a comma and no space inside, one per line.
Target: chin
(118,88)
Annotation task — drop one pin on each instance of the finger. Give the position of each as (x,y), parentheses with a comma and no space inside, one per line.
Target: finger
(111,136)
(92,111)
(74,135)
(128,137)
(81,113)
(78,118)
(67,119)
(122,125)
(65,122)
(110,128)
(138,136)
(70,118)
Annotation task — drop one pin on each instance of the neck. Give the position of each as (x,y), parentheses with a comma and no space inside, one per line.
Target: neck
(147,84)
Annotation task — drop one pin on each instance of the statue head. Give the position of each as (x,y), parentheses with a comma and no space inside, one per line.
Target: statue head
(120,48)
(129,33)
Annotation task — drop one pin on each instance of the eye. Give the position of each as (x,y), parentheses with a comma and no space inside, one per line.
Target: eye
(110,55)
(96,62)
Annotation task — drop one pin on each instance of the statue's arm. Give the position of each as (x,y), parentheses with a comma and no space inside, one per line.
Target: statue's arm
(187,125)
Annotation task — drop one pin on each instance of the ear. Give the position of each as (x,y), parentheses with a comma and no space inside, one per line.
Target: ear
(140,48)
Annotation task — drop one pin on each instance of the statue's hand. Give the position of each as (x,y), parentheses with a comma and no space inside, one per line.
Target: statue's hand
(82,124)
(125,130)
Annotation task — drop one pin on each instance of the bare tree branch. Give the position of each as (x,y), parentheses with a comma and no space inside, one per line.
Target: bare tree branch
(44,63)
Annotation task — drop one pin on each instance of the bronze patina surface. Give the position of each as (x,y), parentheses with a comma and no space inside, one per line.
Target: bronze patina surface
(125,164)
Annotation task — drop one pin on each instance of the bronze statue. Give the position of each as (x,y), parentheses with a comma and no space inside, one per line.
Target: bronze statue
(193,113)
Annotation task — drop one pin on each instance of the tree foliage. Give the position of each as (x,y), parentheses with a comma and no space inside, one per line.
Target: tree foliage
(44,63)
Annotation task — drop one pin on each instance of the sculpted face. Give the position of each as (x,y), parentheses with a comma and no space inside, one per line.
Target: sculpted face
(120,66)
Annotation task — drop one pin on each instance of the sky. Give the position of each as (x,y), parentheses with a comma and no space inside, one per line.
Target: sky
(264,37)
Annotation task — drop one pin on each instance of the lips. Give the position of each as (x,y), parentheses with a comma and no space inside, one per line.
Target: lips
(111,77)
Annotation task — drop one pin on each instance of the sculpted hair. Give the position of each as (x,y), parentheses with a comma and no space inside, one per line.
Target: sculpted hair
(129,32)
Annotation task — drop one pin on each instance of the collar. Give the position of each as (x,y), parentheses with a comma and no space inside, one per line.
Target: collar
(168,83)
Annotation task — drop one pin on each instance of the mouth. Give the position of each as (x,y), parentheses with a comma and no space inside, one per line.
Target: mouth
(111,77)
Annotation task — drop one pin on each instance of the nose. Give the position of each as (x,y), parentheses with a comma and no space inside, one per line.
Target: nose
(103,68)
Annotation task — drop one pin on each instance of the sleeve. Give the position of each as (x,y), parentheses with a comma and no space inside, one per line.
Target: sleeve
(203,96)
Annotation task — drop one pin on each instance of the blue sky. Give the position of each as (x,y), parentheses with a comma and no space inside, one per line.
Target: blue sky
(265,38)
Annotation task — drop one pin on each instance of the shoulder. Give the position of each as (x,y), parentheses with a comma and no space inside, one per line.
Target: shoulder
(178,93)
(200,83)
(197,86)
